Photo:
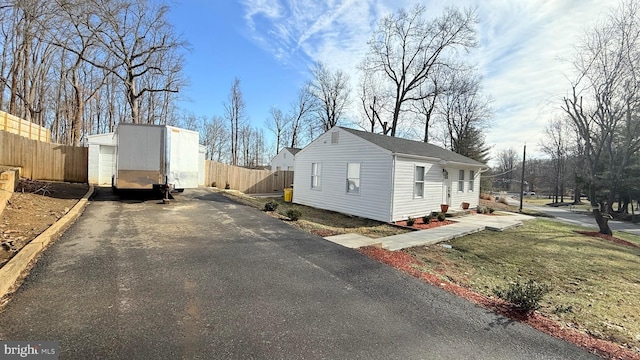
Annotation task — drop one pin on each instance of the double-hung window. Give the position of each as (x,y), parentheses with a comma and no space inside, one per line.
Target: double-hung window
(353,178)
(472,175)
(418,187)
(461,181)
(316,172)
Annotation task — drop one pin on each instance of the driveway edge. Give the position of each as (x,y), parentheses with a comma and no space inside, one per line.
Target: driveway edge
(13,273)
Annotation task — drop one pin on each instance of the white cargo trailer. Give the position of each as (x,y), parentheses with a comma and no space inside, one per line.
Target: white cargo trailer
(156,157)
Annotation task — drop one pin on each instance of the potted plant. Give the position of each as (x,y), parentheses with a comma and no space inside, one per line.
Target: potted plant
(444,207)
(465,205)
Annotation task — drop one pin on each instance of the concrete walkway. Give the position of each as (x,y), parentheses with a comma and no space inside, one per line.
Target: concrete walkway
(465,225)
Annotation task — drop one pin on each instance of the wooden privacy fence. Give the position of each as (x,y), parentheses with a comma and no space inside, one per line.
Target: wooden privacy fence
(44,161)
(248,181)
(15,125)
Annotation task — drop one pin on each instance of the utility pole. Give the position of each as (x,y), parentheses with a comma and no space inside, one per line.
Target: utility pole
(524,156)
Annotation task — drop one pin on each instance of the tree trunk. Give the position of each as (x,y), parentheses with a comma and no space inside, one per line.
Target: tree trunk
(602,219)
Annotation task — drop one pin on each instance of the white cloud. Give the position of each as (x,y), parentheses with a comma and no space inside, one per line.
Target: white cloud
(521,44)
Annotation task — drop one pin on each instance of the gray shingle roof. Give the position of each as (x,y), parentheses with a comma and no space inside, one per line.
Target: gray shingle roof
(293,150)
(410,147)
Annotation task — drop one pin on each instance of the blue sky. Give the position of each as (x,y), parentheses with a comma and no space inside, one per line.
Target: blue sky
(270,44)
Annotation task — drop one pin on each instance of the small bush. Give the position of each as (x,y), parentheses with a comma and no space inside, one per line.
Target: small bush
(426,219)
(271,205)
(441,216)
(481,210)
(525,297)
(227,186)
(485,196)
(490,210)
(294,214)
(411,221)
(214,184)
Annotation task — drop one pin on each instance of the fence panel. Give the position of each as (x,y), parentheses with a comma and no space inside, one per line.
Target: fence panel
(15,125)
(44,161)
(248,181)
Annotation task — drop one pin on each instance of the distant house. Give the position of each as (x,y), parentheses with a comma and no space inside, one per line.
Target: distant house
(284,160)
(382,178)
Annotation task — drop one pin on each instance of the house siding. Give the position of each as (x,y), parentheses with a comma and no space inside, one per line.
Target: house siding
(405,204)
(458,197)
(372,202)
(284,159)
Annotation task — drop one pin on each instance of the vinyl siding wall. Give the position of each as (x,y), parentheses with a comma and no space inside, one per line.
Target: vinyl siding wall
(284,159)
(372,202)
(458,197)
(405,204)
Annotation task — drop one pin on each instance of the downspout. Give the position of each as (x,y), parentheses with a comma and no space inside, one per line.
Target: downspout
(393,182)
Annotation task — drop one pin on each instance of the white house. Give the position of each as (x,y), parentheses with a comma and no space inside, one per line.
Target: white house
(381,177)
(102,158)
(285,159)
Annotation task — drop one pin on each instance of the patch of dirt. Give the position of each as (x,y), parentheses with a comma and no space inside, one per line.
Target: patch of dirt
(34,207)
(419,224)
(410,265)
(607,237)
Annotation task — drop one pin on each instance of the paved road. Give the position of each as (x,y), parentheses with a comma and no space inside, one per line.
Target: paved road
(579,218)
(205,278)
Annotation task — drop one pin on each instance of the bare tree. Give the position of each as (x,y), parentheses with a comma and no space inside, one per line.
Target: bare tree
(464,111)
(407,49)
(277,123)
(299,115)
(215,138)
(508,160)
(235,113)
(556,145)
(375,102)
(331,91)
(604,105)
(141,44)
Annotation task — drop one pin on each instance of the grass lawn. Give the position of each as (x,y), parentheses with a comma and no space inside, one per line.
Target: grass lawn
(595,283)
(323,222)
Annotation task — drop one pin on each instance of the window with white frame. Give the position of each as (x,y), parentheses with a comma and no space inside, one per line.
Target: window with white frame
(418,187)
(461,180)
(353,178)
(316,169)
(472,175)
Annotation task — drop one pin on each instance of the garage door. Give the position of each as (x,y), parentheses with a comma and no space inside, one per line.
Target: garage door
(107,163)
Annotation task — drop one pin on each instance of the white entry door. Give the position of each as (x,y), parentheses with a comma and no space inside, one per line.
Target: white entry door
(446,188)
(107,164)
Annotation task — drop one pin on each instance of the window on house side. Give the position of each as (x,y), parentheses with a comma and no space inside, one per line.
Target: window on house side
(334,137)
(316,168)
(461,181)
(353,178)
(418,187)
(472,175)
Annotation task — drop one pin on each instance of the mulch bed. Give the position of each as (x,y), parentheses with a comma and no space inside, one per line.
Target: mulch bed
(422,226)
(407,264)
(607,237)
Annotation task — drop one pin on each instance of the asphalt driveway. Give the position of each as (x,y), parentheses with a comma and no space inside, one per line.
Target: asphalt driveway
(205,278)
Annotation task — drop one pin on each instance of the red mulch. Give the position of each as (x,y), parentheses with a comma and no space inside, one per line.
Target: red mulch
(422,226)
(406,263)
(608,237)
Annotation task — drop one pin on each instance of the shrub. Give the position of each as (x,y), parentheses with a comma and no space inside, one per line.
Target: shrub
(214,184)
(525,297)
(294,214)
(490,210)
(441,216)
(411,221)
(481,210)
(271,205)
(426,219)
(227,186)
(485,196)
